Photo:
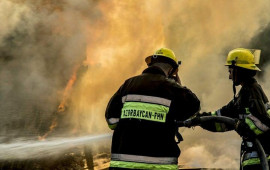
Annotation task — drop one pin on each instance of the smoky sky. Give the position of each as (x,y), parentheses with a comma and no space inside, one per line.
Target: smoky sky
(262,41)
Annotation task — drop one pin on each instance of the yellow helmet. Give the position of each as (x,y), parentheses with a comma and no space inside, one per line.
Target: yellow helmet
(242,57)
(164,53)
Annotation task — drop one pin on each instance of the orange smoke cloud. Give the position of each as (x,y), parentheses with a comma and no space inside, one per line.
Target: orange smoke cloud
(116,50)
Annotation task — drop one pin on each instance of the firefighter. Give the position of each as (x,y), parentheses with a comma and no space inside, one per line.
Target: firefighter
(250,107)
(143,112)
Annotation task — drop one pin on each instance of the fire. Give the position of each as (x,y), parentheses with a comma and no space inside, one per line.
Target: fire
(115,50)
(53,125)
(68,89)
(62,106)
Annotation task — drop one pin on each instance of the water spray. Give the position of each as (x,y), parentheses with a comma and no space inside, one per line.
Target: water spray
(23,148)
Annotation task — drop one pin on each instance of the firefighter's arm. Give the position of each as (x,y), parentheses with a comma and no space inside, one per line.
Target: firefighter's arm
(189,104)
(113,110)
(216,126)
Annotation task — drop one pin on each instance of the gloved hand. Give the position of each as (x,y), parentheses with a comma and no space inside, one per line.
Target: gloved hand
(204,114)
(195,121)
(243,129)
(177,79)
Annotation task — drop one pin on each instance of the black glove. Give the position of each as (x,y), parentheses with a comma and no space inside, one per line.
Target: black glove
(192,122)
(196,121)
(204,114)
(243,129)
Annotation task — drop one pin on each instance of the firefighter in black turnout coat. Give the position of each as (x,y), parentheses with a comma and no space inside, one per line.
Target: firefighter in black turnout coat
(142,114)
(250,106)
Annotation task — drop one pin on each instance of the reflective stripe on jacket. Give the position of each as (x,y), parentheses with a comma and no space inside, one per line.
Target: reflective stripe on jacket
(136,165)
(252,158)
(143,162)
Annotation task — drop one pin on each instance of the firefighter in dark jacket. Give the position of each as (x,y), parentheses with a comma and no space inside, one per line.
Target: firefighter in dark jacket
(250,106)
(143,112)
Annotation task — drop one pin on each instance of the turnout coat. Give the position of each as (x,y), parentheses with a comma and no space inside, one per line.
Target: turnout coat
(142,114)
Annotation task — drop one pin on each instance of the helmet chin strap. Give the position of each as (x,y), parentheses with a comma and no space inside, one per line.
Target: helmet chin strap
(174,69)
(233,78)
(171,72)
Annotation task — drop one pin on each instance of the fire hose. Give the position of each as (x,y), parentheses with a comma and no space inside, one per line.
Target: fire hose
(231,123)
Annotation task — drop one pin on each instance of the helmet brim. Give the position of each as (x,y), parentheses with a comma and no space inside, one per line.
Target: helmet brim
(148,60)
(246,66)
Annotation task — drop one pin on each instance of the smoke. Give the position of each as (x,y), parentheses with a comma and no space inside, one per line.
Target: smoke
(37,58)
(261,41)
(43,41)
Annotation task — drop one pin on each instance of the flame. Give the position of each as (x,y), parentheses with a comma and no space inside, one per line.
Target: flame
(62,106)
(53,125)
(68,89)
(115,51)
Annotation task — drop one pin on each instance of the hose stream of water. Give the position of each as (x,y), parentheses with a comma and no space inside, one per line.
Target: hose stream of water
(23,148)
